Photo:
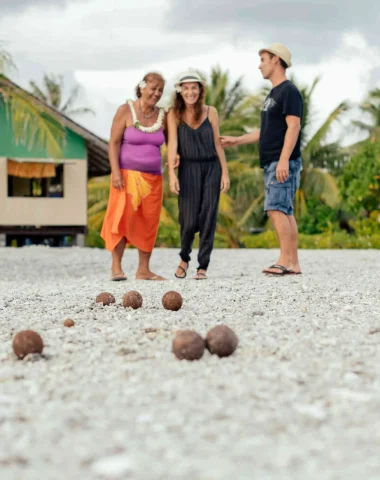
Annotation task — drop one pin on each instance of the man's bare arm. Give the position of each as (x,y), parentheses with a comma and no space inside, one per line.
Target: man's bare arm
(228,141)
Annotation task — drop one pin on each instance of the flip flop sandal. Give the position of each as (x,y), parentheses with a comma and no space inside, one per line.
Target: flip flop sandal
(203,276)
(155,278)
(284,271)
(184,271)
(118,277)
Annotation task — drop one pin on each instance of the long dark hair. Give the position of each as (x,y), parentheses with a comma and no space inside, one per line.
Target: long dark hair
(179,105)
(150,77)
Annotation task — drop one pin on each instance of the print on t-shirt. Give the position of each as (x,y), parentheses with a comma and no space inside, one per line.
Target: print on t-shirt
(269,103)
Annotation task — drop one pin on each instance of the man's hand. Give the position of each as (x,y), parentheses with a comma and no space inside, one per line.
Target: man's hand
(282,171)
(117,180)
(174,184)
(228,141)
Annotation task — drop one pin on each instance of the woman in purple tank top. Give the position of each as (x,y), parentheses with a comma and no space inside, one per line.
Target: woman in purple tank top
(135,201)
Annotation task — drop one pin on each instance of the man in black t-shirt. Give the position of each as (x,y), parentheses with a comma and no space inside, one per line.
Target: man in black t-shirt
(279,141)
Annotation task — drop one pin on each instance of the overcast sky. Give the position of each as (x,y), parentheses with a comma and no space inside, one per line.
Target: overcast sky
(107,46)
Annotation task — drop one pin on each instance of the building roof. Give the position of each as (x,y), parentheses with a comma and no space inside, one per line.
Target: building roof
(97,148)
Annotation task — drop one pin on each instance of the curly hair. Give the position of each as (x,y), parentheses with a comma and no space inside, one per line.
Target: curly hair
(149,77)
(179,105)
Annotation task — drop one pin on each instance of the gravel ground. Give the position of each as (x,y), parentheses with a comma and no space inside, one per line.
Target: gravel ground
(299,399)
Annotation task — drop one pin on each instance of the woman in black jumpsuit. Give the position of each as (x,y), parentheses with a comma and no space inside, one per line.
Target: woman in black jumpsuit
(194,135)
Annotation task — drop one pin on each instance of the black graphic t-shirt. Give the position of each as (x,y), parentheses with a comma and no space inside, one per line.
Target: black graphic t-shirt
(283,100)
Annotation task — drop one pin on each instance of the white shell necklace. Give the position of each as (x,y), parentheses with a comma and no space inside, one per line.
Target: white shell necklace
(154,128)
(146,116)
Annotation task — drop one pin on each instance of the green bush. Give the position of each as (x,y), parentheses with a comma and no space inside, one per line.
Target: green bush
(168,236)
(93,239)
(321,218)
(360,180)
(367,226)
(333,240)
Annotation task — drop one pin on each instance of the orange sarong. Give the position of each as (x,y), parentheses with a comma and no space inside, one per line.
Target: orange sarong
(134,212)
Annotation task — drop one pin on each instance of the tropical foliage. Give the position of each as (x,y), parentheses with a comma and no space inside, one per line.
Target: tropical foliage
(30,120)
(371,110)
(52,93)
(337,205)
(332,196)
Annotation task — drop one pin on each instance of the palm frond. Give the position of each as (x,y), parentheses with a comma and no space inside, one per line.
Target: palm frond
(250,210)
(100,206)
(316,141)
(166,217)
(37,92)
(95,221)
(321,184)
(32,124)
(6,61)
(79,111)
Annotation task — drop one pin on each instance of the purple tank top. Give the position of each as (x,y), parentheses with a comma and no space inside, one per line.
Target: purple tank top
(141,151)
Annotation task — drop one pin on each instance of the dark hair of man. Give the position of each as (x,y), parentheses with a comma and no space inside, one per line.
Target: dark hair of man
(283,64)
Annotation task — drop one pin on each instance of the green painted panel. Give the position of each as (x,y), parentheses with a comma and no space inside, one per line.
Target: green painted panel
(75,147)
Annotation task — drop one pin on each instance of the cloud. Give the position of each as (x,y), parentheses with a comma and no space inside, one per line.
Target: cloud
(11,6)
(108,46)
(98,36)
(312,30)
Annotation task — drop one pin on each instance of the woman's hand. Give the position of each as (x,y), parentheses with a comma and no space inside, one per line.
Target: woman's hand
(174,183)
(177,161)
(117,180)
(225,182)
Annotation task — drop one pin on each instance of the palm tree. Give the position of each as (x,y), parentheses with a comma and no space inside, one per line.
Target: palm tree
(319,156)
(52,94)
(32,123)
(371,107)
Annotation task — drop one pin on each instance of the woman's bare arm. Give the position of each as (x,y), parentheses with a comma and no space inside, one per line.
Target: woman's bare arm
(214,119)
(172,151)
(117,132)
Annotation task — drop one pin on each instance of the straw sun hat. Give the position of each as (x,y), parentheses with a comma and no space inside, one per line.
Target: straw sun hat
(188,78)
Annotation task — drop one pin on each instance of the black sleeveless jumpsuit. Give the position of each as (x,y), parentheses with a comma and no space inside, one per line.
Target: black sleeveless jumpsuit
(199,178)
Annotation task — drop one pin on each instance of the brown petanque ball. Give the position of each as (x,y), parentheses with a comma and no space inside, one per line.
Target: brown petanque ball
(105,298)
(172,301)
(222,341)
(188,345)
(132,299)
(26,342)
(68,322)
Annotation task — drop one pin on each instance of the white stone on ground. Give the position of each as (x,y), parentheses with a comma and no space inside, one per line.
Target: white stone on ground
(299,399)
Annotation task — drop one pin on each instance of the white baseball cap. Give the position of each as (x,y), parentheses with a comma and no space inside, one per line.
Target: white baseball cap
(281,51)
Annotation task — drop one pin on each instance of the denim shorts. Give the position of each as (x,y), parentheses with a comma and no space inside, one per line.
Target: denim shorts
(280,196)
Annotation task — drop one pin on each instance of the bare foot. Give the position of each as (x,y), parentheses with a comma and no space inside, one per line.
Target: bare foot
(281,267)
(117,269)
(148,276)
(182,269)
(117,277)
(296,268)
